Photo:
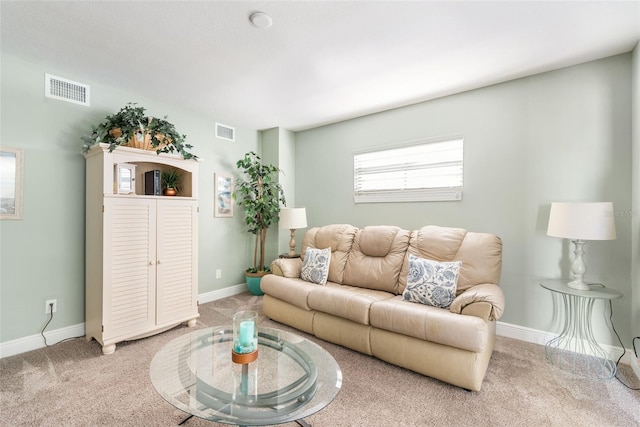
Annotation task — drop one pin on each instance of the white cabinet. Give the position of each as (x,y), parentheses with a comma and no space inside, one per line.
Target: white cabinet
(141,251)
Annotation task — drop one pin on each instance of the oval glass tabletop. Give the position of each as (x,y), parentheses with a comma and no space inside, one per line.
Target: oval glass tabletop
(291,379)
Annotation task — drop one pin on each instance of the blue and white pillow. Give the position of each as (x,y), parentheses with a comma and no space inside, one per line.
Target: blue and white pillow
(431,282)
(315,267)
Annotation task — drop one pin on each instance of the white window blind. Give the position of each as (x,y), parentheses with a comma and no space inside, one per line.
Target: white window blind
(422,171)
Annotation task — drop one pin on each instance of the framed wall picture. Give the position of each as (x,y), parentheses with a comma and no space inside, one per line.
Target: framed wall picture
(223,204)
(11,173)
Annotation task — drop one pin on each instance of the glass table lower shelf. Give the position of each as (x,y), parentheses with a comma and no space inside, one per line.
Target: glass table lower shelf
(291,379)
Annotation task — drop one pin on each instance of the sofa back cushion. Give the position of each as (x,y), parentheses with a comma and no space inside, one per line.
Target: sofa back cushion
(480,254)
(338,237)
(376,258)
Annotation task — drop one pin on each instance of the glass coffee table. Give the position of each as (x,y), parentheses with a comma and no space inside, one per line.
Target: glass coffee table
(291,379)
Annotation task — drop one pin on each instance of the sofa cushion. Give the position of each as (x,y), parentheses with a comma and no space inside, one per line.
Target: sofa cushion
(430,324)
(480,254)
(431,282)
(376,258)
(338,237)
(344,301)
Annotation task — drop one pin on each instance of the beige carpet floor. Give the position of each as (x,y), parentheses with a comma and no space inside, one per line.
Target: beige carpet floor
(73,384)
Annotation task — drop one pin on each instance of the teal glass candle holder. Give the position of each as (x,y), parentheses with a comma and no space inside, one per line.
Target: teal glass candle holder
(245,333)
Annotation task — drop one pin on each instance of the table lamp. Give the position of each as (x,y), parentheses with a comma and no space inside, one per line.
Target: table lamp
(293,218)
(580,222)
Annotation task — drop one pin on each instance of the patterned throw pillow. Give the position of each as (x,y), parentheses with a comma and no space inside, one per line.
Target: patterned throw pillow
(315,267)
(431,282)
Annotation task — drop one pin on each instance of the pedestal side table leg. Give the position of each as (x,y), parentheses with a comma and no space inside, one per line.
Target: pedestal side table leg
(576,348)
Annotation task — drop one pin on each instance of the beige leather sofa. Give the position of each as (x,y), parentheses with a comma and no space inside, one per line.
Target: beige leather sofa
(361,306)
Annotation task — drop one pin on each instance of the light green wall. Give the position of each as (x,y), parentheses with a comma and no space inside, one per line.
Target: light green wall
(635,212)
(559,136)
(278,146)
(287,164)
(269,155)
(42,255)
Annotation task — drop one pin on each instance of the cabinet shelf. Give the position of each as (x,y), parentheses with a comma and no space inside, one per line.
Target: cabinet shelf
(144,161)
(147,196)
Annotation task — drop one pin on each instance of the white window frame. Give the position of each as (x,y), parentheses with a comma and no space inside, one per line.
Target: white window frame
(445,186)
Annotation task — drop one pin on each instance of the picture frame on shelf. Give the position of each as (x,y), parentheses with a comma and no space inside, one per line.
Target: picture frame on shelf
(223,189)
(11,179)
(125,177)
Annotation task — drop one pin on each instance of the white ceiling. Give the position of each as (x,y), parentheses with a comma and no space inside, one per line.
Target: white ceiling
(320,62)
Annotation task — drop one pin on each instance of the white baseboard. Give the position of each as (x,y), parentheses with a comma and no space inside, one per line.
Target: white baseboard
(222,293)
(34,342)
(523,333)
(536,336)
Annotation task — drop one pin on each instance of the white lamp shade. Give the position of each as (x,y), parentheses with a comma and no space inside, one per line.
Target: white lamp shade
(293,218)
(582,221)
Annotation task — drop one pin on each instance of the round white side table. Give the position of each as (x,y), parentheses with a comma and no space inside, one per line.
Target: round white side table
(576,349)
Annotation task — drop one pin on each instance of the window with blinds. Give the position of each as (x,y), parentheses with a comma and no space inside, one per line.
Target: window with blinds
(428,170)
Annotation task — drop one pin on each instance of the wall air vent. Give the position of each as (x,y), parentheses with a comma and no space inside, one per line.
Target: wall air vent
(225,132)
(66,90)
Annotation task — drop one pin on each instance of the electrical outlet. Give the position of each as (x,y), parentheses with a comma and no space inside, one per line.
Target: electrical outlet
(48,308)
(218,274)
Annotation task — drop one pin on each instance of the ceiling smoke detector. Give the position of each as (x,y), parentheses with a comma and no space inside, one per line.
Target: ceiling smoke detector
(260,20)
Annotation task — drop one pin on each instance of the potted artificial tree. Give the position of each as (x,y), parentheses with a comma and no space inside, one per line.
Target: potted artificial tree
(260,194)
(131,127)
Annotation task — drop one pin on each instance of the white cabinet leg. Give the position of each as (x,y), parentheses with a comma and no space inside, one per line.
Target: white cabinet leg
(108,349)
(191,323)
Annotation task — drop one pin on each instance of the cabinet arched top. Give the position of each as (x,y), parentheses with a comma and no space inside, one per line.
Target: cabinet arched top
(128,154)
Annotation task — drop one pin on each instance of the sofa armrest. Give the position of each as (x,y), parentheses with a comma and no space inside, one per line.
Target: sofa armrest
(489,296)
(287,267)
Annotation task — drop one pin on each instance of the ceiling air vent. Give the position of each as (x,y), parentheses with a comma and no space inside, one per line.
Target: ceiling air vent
(225,132)
(66,90)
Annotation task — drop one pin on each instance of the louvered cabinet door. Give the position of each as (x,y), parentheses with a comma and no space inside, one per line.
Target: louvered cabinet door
(177,271)
(129,266)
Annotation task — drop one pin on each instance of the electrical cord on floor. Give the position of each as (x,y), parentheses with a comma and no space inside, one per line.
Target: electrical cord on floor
(636,354)
(47,324)
(623,349)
